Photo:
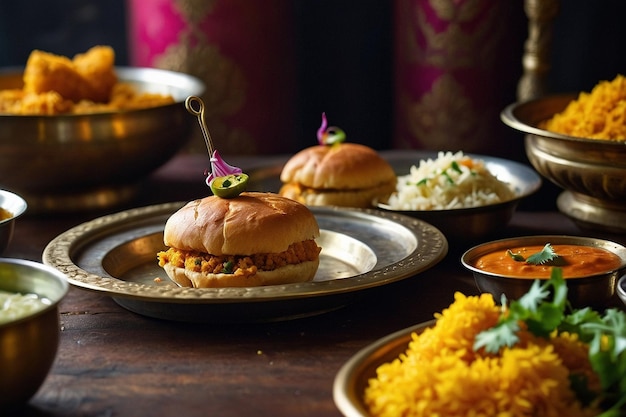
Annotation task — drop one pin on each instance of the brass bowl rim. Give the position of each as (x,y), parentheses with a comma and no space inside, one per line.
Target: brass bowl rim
(57,275)
(482,248)
(463,210)
(17,199)
(533,182)
(509,117)
(356,371)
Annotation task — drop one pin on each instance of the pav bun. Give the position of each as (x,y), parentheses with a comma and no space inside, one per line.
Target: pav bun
(259,230)
(343,174)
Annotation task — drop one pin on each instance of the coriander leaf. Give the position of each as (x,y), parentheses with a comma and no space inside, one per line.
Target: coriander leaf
(228,267)
(540,315)
(502,334)
(455,166)
(515,256)
(610,369)
(605,335)
(547,318)
(545,255)
(529,302)
(572,322)
(559,287)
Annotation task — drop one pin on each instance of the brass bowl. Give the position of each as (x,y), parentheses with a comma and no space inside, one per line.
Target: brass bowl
(592,172)
(15,205)
(593,290)
(28,346)
(353,377)
(91,161)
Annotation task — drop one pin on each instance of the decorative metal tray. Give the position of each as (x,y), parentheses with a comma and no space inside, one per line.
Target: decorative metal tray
(361,249)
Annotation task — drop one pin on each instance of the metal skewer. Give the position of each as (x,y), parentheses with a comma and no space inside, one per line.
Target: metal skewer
(199,113)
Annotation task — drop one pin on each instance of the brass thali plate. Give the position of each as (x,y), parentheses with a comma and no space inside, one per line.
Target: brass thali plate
(361,249)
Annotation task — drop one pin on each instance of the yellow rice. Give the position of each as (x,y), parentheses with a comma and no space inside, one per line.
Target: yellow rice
(440,375)
(600,114)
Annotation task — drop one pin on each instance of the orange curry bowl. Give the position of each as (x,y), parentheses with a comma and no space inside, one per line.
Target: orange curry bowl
(509,266)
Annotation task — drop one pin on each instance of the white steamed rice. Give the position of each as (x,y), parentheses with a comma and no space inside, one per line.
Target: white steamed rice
(451,181)
(14,306)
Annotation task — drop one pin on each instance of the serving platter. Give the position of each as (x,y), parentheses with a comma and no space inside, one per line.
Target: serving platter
(361,249)
(352,378)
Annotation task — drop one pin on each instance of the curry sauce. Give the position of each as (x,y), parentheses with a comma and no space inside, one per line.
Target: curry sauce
(574,260)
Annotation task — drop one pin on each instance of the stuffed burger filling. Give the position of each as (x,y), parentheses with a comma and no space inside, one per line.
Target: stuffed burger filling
(240,265)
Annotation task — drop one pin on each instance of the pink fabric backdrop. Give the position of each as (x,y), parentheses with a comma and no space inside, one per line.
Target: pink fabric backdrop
(453,74)
(242,50)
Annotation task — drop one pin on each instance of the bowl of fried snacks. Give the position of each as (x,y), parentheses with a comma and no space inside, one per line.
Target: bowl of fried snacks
(579,143)
(82,133)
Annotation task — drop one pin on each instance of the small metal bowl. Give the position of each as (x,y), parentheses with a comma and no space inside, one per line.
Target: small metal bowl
(589,291)
(591,171)
(472,224)
(16,206)
(28,346)
(75,162)
(621,289)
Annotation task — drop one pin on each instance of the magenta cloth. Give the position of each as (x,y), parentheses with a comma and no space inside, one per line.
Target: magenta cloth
(453,73)
(242,50)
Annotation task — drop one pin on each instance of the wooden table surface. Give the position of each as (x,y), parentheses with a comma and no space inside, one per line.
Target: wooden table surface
(112,362)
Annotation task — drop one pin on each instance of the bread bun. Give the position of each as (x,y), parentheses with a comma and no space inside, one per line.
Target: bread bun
(248,224)
(251,225)
(344,174)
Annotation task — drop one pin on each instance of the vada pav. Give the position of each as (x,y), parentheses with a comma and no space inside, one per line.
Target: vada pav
(337,173)
(253,239)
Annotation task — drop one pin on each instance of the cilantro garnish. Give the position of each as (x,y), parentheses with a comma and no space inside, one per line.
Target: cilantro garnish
(546,254)
(228,267)
(540,315)
(455,166)
(544,309)
(515,256)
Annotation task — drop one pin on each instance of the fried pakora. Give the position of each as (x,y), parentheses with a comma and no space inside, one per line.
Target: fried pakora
(89,76)
(55,84)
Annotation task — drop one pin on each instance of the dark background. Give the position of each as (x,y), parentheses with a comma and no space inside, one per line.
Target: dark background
(343,47)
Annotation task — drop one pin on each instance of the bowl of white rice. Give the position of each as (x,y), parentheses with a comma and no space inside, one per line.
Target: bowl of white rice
(467,197)
(30,293)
